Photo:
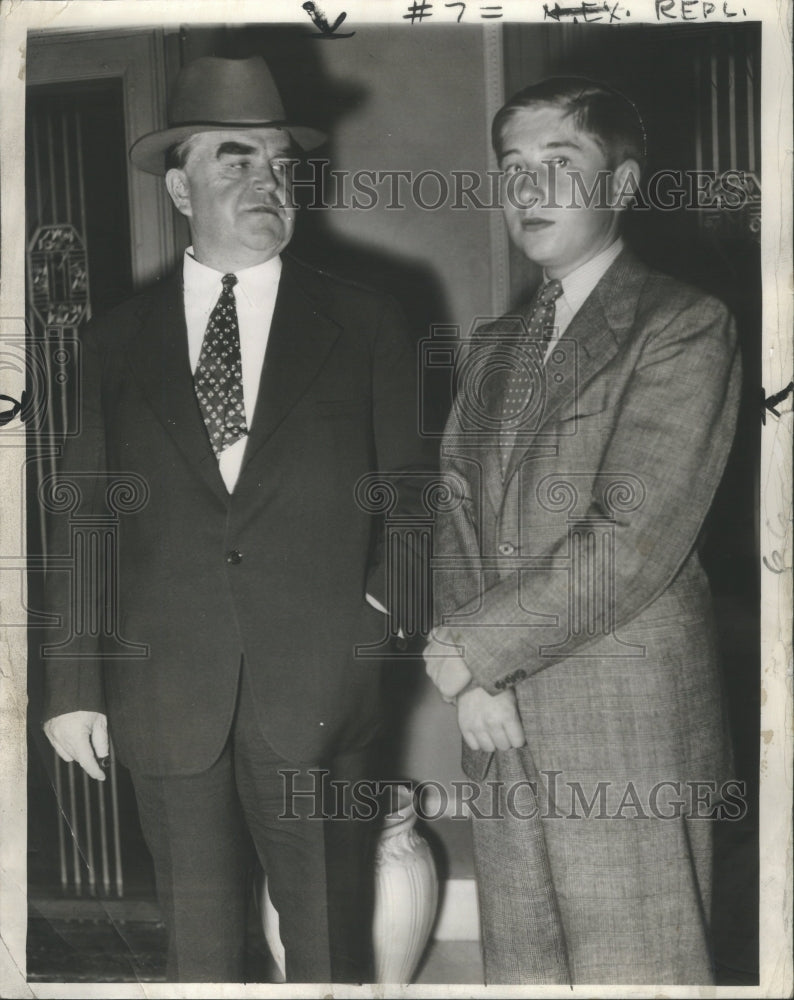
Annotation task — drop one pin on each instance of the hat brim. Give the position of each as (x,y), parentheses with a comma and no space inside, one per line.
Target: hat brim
(148,153)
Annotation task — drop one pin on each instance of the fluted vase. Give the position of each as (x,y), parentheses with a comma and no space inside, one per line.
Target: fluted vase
(406,894)
(406,898)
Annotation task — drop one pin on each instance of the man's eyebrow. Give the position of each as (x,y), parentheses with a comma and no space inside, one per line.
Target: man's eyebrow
(563,144)
(553,144)
(234,149)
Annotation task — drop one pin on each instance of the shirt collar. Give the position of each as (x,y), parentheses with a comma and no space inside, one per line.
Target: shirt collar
(577,285)
(256,283)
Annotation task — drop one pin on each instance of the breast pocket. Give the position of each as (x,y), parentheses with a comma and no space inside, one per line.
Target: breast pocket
(592,414)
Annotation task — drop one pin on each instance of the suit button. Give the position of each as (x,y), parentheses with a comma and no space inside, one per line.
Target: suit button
(506,548)
(233,557)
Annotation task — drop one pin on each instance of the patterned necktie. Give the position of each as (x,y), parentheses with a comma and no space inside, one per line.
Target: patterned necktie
(517,408)
(219,374)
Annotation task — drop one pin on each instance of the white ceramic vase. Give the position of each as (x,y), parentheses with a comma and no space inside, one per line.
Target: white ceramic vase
(406,894)
(270,925)
(406,898)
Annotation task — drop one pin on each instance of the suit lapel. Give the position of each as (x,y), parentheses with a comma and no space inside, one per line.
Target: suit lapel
(158,356)
(486,355)
(299,342)
(597,330)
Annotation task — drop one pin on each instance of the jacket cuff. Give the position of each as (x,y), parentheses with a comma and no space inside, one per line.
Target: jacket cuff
(485,657)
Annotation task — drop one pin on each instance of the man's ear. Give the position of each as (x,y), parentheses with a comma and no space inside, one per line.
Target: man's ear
(625,184)
(178,187)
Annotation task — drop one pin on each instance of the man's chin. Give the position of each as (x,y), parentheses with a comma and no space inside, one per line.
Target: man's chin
(532,249)
(270,240)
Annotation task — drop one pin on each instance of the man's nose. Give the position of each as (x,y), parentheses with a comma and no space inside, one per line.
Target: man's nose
(526,188)
(265,177)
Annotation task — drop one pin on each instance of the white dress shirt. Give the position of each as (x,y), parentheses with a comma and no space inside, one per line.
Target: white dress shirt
(255,298)
(576,287)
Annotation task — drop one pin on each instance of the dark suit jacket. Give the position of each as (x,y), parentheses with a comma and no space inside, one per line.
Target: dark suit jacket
(336,401)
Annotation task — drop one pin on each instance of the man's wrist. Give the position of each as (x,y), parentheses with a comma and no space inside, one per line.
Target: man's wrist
(469,687)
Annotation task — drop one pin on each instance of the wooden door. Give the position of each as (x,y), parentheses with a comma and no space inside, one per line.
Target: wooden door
(97,231)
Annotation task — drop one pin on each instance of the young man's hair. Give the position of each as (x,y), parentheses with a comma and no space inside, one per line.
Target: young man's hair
(599,110)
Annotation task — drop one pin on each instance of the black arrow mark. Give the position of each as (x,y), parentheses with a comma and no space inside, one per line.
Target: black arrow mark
(8,415)
(770,402)
(326,30)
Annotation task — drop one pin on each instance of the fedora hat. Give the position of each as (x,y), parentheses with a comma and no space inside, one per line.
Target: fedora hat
(212,94)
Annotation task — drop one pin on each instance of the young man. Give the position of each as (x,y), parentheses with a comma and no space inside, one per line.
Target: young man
(248,394)
(576,630)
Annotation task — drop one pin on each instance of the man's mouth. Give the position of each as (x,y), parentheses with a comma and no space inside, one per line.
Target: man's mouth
(271,209)
(533,225)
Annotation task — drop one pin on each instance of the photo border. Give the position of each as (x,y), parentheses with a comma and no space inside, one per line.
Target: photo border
(16,18)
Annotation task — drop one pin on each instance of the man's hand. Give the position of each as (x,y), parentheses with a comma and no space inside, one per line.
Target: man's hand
(490,722)
(80,736)
(447,670)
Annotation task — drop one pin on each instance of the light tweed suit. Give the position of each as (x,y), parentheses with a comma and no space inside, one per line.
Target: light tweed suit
(600,505)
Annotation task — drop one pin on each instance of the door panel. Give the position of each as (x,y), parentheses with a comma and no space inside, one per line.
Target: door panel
(97,230)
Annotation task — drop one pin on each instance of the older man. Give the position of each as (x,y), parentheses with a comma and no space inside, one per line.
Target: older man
(250,393)
(579,640)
